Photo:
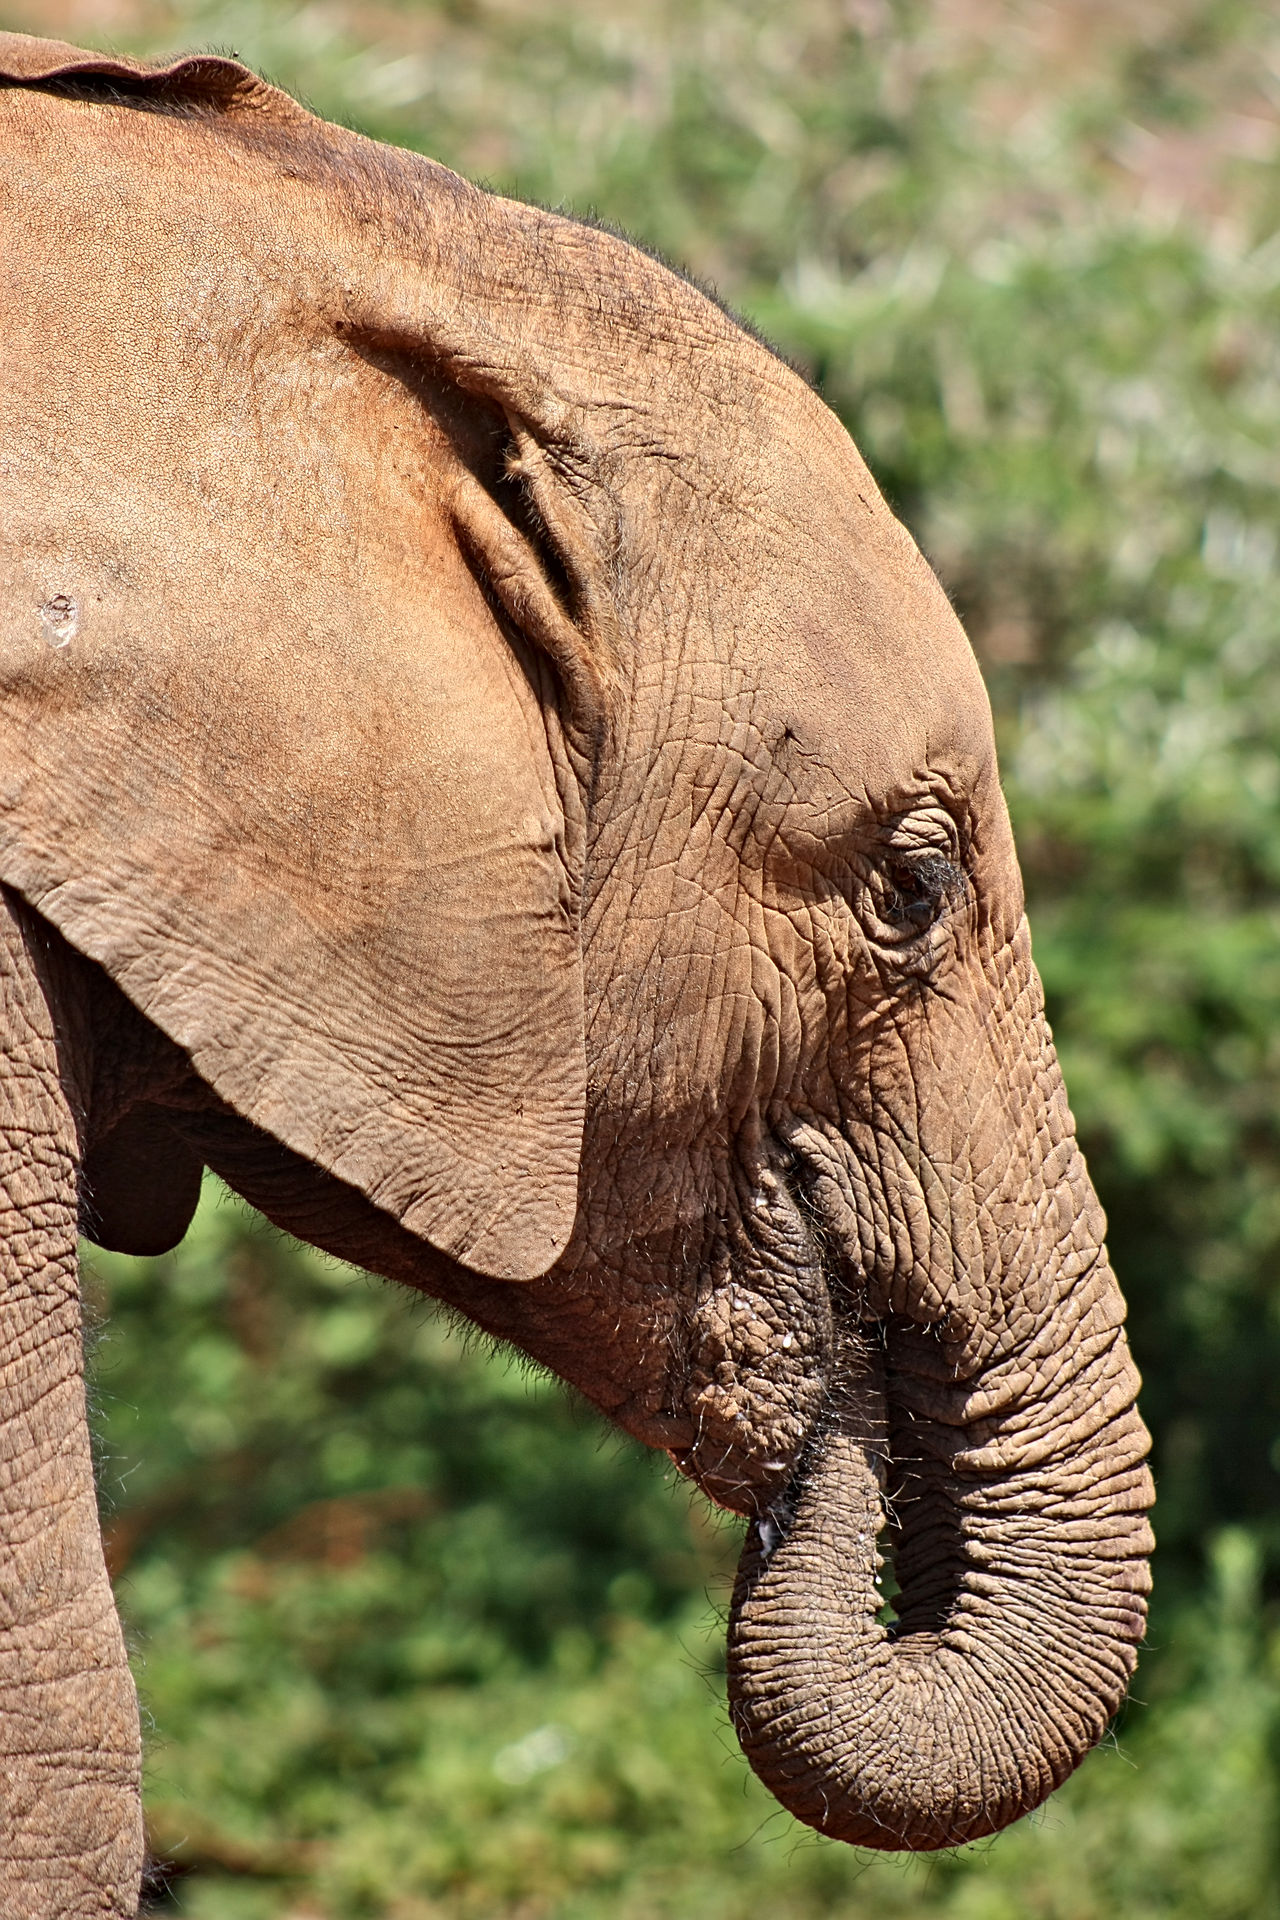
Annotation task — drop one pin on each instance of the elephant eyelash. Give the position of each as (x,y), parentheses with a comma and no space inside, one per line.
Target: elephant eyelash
(915,892)
(920,888)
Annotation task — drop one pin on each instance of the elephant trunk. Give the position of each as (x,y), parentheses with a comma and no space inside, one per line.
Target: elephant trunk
(1015,1503)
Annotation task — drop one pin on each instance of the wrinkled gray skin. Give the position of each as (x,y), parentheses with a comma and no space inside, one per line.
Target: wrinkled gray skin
(765,1149)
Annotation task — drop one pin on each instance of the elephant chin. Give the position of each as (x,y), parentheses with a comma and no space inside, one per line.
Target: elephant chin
(1019,1541)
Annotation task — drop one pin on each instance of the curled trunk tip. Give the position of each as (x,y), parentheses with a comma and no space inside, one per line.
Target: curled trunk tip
(1021,1607)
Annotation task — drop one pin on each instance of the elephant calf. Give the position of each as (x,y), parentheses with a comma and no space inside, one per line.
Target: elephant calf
(482,769)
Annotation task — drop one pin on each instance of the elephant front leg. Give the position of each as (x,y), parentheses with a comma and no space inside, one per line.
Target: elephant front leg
(70,1805)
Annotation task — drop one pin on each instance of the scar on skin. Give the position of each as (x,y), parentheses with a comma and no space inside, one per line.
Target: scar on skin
(60,617)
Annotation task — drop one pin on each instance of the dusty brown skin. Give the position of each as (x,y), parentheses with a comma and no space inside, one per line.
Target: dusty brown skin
(482,769)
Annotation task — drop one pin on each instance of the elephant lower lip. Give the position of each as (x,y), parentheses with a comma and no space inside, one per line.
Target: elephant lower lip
(720,1493)
(684,1458)
(737,1483)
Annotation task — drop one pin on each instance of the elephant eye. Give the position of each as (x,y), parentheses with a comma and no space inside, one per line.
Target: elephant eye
(917,890)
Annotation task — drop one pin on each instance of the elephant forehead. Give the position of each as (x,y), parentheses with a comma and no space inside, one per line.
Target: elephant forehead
(861,660)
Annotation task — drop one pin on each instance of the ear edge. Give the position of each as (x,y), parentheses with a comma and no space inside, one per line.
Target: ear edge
(56,66)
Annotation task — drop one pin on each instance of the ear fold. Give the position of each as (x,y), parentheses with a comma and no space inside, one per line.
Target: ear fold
(268,752)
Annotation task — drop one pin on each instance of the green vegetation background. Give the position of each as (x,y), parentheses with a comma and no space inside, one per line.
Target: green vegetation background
(415,1637)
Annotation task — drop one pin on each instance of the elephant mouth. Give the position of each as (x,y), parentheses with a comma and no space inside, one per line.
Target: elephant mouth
(790,1357)
(762,1352)
(736,1479)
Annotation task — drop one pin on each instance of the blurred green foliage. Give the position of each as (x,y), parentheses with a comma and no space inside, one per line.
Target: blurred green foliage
(417,1639)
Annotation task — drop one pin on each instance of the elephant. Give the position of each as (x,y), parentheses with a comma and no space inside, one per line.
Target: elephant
(483,770)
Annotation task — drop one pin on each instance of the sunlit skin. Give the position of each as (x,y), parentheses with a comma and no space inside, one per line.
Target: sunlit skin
(483,770)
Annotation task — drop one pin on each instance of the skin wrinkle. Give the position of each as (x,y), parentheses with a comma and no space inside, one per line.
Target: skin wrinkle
(475,434)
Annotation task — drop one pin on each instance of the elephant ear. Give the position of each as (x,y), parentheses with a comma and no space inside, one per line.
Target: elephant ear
(273,750)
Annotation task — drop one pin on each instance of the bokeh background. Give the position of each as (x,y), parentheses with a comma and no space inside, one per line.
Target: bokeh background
(416,1638)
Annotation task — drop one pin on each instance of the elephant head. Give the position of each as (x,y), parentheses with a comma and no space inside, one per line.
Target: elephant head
(470,696)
